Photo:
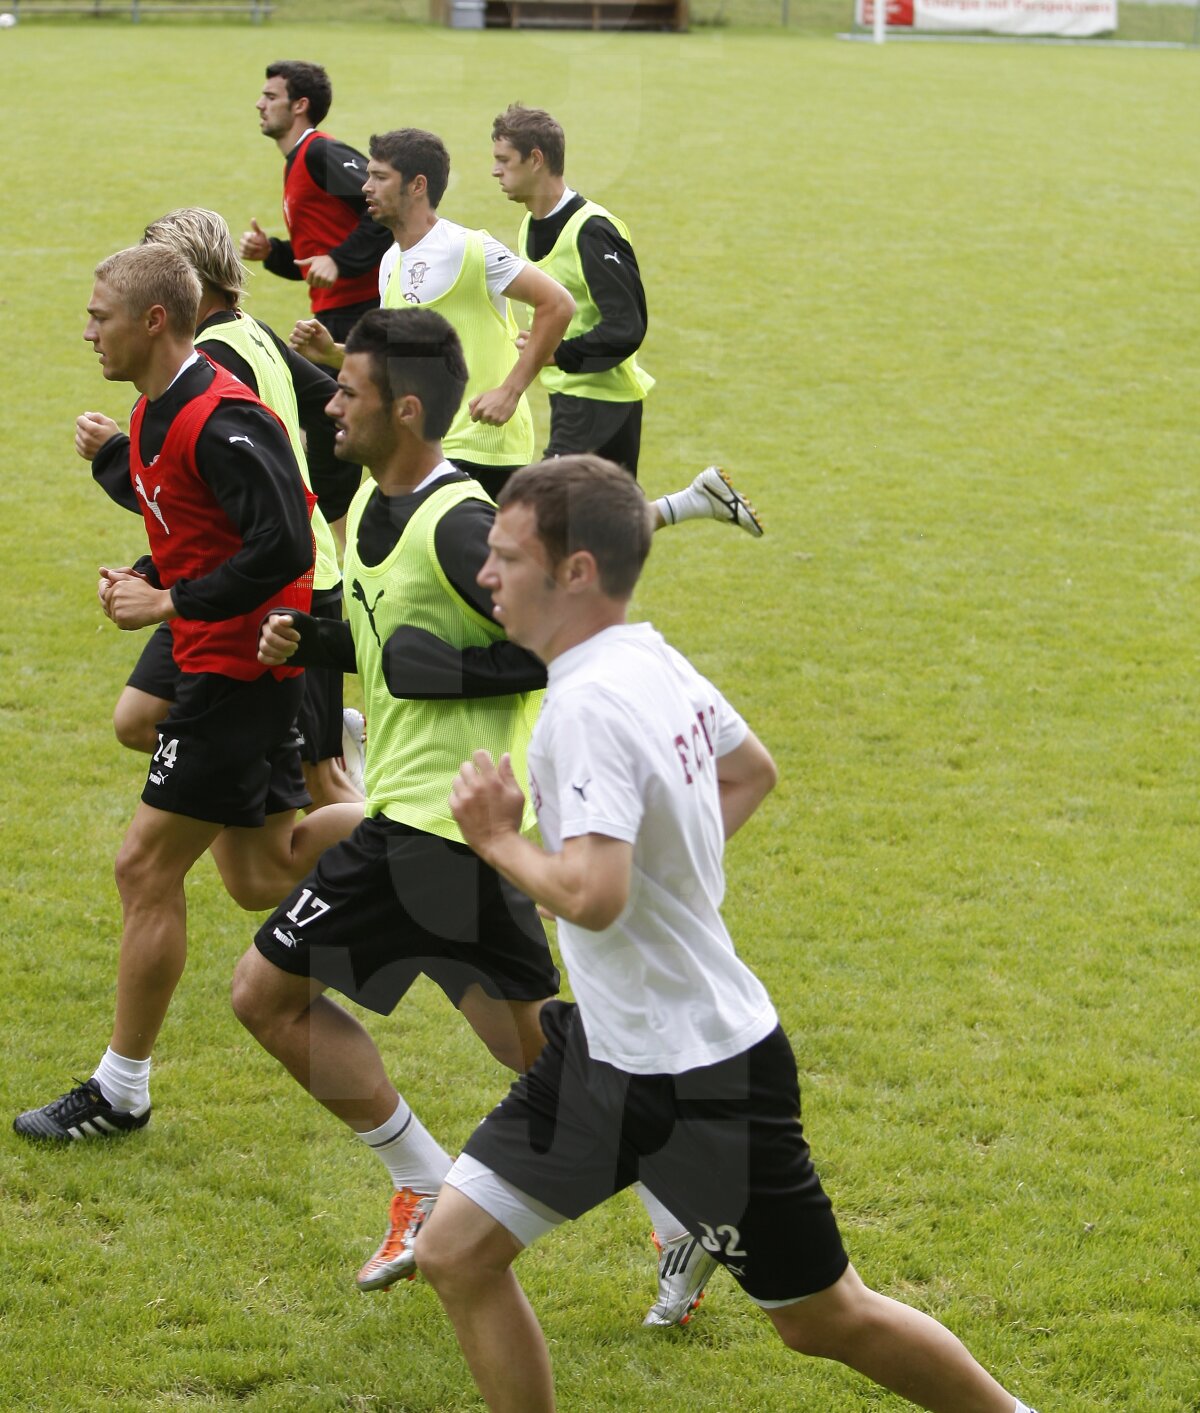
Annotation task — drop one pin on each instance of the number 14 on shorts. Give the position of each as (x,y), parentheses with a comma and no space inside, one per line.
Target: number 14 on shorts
(164,759)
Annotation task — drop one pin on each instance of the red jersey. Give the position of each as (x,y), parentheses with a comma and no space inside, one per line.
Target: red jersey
(317,222)
(190,536)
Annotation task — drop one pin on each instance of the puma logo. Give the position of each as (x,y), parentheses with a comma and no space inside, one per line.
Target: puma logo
(358,593)
(612,255)
(152,502)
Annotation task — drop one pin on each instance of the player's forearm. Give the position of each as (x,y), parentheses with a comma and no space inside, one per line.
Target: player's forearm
(363,248)
(419,666)
(324,642)
(550,320)
(745,777)
(265,565)
(562,883)
(282,260)
(110,471)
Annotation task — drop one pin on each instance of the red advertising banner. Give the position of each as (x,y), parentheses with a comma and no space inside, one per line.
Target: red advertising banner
(898,15)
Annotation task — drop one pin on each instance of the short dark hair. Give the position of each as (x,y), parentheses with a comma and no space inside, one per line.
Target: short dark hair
(414,352)
(305,80)
(527,128)
(586,503)
(415,153)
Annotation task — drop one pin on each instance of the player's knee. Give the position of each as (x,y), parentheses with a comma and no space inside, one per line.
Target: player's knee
(810,1338)
(134,731)
(246,997)
(828,1325)
(134,870)
(448,1263)
(136,715)
(251,894)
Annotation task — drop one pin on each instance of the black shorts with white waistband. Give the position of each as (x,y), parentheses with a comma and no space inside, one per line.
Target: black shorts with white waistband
(227,750)
(391,903)
(319,721)
(721,1146)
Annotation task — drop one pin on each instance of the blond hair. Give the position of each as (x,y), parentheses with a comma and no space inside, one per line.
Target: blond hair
(145,275)
(204,241)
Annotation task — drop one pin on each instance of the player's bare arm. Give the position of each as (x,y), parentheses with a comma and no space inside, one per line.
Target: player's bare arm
(92,431)
(745,777)
(587,883)
(553,309)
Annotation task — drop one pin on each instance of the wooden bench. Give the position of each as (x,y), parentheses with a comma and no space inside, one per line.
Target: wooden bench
(257,10)
(568,14)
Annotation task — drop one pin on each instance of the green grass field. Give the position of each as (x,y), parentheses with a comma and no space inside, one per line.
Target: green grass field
(937,309)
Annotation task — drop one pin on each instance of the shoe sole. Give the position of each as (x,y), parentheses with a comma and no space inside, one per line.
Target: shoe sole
(385,1280)
(755,527)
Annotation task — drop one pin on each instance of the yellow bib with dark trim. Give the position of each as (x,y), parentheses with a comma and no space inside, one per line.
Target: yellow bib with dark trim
(275,388)
(415,748)
(628,381)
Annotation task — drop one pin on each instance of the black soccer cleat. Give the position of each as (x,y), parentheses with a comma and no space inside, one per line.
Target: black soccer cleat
(83,1112)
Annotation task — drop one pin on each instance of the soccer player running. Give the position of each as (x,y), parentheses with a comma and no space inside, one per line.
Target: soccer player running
(672,1066)
(227,517)
(297,391)
(404,895)
(332,241)
(469,278)
(595,383)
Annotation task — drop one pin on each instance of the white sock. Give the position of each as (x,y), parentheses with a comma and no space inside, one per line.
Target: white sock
(687,504)
(666,1226)
(409,1151)
(124,1083)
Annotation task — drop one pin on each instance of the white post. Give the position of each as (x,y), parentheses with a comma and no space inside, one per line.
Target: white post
(880,18)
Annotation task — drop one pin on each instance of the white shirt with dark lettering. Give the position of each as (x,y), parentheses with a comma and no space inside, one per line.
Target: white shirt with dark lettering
(626,746)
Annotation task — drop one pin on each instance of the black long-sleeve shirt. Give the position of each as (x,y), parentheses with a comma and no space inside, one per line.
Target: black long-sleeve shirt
(417,664)
(611,270)
(341,171)
(334,482)
(246,460)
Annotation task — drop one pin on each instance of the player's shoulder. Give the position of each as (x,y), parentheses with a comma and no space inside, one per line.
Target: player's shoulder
(244,421)
(600,228)
(330,146)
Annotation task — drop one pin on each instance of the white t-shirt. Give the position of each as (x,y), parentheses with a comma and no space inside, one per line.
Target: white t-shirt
(430,267)
(626,746)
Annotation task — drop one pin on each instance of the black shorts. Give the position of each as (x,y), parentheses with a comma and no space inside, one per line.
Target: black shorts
(392,902)
(319,721)
(155,671)
(341,320)
(610,429)
(227,750)
(491,478)
(721,1146)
